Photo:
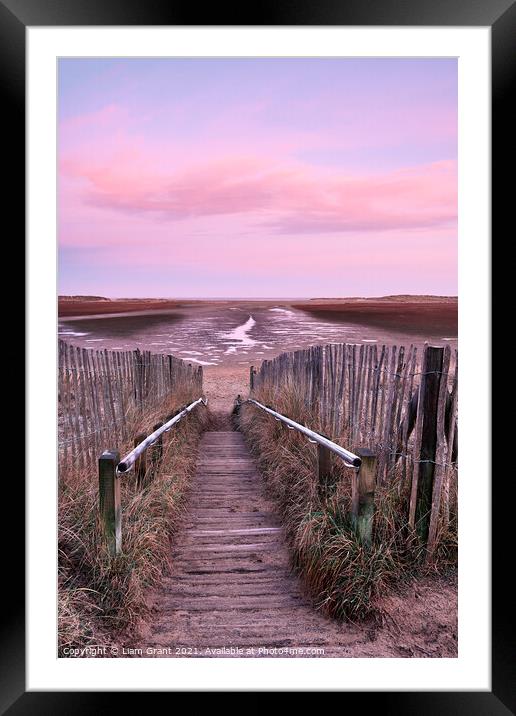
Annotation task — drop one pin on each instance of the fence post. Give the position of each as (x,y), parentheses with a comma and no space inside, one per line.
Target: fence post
(441,455)
(140,465)
(363,487)
(251,378)
(109,500)
(424,467)
(323,468)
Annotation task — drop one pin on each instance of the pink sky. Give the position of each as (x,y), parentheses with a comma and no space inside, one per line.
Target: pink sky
(257,177)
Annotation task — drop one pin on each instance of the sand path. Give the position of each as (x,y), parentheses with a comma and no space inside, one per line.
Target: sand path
(222,384)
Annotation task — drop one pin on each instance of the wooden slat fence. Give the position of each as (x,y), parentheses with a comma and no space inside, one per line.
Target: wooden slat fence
(98,391)
(399,401)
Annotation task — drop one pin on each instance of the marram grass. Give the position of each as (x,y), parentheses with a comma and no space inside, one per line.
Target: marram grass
(99,596)
(344,578)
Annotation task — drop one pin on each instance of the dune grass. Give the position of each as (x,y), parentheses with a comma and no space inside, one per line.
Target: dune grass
(344,578)
(99,596)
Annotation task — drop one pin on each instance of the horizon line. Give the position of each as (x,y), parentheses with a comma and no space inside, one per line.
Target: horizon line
(249,298)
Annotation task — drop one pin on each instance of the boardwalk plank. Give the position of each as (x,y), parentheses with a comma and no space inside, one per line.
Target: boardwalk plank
(230,581)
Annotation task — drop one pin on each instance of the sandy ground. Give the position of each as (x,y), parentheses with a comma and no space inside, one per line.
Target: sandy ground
(223,383)
(421,619)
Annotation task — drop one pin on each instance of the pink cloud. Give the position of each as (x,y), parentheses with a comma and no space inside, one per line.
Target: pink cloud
(289,197)
(198,177)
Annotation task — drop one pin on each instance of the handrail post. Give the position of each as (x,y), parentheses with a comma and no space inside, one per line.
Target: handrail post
(323,468)
(363,485)
(109,501)
(251,378)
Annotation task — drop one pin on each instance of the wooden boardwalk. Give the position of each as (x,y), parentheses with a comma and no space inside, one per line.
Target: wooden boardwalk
(230,585)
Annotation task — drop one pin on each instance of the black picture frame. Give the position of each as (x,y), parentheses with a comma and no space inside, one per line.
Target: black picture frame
(500,15)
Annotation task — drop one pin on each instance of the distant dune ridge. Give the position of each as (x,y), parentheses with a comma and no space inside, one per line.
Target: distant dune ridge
(416,298)
(431,315)
(96,305)
(83,298)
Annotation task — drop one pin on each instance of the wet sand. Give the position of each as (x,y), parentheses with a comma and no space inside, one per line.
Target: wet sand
(226,337)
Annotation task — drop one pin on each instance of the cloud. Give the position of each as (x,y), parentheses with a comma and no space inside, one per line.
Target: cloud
(288,197)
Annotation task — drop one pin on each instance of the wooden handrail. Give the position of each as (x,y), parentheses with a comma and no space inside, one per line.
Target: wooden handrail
(363,478)
(110,470)
(349,458)
(128,461)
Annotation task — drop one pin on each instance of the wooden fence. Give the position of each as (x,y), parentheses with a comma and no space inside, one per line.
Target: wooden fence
(110,470)
(99,391)
(399,402)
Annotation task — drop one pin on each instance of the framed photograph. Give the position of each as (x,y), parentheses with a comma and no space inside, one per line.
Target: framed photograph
(255,249)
